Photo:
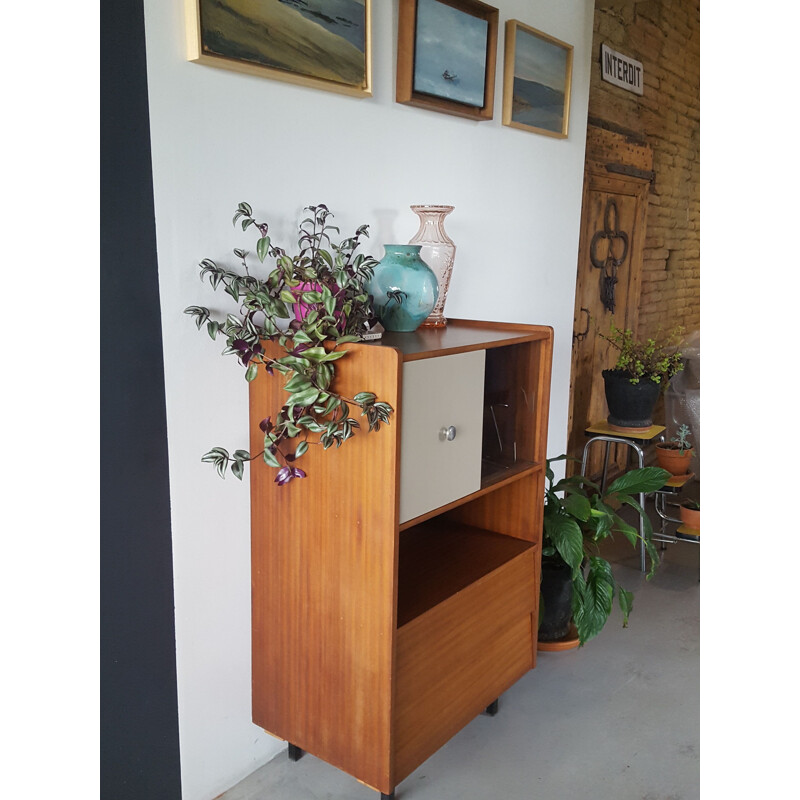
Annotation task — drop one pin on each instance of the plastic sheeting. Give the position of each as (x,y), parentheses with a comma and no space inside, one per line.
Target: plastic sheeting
(682,398)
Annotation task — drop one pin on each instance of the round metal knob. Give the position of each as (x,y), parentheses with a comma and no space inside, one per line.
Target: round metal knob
(448,434)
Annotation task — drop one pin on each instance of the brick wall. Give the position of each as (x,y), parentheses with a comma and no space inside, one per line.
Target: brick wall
(665,36)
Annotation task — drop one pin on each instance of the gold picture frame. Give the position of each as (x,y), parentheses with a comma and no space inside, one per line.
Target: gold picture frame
(446,56)
(537,81)
(306,47)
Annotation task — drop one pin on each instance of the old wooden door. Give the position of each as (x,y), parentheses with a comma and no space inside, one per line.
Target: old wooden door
(617,178)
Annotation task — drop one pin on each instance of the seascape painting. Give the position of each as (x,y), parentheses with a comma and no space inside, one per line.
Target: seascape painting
(450,53)
(322,40)
(542,72)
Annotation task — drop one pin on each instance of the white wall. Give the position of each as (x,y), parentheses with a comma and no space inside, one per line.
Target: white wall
(219,138)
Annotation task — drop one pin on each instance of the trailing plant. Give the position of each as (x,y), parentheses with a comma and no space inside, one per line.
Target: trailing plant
(324,286)
(693,505)
(578,516)
(655,358)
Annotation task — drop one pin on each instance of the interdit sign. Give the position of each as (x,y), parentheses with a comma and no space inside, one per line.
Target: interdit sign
(620,70)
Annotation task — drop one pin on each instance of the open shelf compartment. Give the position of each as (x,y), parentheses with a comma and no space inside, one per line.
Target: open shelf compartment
(509,406)
(466,611)
(440,558)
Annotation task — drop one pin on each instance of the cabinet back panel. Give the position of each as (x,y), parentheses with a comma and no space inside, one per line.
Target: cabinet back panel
(513,510)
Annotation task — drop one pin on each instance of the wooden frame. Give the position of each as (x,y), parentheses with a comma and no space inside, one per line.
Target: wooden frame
(535,105)
(330,57)
(427,31)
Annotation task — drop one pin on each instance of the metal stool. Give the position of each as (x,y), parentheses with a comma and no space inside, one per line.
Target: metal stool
(605,433)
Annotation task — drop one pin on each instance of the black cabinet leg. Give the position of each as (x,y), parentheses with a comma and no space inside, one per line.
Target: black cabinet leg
(492,708)
(387,796)
(295,753)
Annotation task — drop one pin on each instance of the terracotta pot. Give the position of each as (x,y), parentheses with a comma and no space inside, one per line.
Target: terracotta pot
(691,517)
(672,460)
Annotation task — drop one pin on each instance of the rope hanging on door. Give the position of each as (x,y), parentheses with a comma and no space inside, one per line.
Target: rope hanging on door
(609,266)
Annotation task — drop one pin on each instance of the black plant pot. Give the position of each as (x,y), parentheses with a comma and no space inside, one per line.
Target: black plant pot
(630,405)
(556,598)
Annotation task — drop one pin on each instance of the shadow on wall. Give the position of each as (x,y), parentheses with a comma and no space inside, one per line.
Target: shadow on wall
(383,233)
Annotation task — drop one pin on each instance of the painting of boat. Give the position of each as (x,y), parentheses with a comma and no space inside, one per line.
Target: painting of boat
(450,53)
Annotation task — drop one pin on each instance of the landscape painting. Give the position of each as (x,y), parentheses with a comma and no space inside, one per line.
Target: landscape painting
(450,55)
(323,43)
(537,80)
(446,54)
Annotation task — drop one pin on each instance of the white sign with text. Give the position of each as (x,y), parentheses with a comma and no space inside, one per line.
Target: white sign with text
(620,70)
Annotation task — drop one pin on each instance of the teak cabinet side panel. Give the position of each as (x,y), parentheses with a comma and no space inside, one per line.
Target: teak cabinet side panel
(324,570)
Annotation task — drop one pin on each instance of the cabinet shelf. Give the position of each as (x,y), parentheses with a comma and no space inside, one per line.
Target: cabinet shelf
(493,473)
(439,558)
(492,479)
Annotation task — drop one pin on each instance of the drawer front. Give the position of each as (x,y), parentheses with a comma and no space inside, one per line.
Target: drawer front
(457,658)
(439,394)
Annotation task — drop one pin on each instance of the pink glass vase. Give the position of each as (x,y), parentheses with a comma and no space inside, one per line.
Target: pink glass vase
(438,252)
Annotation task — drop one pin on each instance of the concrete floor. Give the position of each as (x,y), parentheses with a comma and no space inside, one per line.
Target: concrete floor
(615,720)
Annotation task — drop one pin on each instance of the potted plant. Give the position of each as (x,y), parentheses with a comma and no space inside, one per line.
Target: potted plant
(642,371)
(676,454)
(690,514)
(324,286)
(577,518)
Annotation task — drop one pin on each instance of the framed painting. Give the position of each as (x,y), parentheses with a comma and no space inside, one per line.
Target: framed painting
(537,79)
(325,44)
(446,56)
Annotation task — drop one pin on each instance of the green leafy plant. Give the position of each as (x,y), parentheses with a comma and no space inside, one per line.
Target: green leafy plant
(658,359)
(578,516)
(680,442)
(310,304)
(693,505)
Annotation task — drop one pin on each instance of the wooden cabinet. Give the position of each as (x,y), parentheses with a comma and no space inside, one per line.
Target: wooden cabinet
(395,590)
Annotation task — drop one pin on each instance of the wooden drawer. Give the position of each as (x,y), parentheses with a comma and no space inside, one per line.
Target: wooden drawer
(456,658)
(439,393)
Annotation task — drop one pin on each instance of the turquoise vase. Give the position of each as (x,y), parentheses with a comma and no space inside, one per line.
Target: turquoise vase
(404,288)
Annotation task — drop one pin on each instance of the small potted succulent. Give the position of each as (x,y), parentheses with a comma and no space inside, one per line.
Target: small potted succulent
(578,586)
(310,305)
(675,455)
(641,372)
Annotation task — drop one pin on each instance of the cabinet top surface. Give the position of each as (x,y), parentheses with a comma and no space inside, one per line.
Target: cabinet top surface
(460,336)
